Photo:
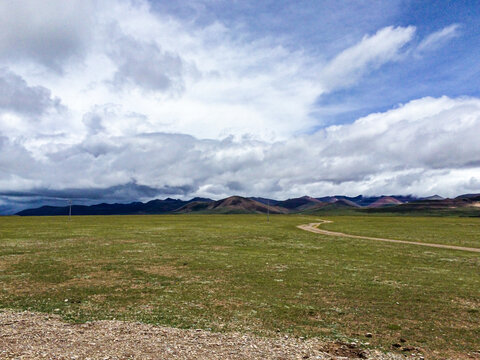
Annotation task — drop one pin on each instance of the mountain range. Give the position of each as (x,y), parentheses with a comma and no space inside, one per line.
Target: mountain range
(258,205)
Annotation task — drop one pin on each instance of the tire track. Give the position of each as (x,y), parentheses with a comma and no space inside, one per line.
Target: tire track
(313,227)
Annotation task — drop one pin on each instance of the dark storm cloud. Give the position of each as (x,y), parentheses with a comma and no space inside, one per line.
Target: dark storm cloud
(123,192)
(146,65)
(235,186)
(14,201)
(16,161)
(16,95)
(93,122)
(46,32)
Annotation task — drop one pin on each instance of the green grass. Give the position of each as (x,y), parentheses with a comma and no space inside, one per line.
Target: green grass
(240,273)
(446,230)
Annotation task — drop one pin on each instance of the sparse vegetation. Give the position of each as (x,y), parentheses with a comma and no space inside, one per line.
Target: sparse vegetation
(242,273)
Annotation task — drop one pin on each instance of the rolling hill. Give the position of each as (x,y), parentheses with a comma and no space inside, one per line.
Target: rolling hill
(152,207)
(232,205)
(301,203)
(465,205)
(385,201)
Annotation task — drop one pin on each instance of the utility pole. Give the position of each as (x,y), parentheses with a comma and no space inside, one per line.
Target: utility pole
(70,209)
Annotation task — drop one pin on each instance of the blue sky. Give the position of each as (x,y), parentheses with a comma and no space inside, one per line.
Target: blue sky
(323,28)
(125,100)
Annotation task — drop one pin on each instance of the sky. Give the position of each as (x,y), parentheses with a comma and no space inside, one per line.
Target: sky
(131,100)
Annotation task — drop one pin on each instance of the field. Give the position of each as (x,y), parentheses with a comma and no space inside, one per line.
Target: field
(242,273)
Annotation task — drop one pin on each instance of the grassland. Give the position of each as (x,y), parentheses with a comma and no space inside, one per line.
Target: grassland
(241,273)
(447,230)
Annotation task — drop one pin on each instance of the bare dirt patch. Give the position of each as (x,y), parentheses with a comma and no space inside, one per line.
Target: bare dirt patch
(38,336)
(162,270)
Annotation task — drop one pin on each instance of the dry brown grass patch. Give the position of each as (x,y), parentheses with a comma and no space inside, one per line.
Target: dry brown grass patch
(163,270)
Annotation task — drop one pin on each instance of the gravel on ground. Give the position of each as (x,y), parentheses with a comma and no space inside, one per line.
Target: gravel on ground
(28,335)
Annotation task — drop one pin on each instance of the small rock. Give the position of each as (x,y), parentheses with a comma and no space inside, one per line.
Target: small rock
(368,335)
(396,345)
(402,340)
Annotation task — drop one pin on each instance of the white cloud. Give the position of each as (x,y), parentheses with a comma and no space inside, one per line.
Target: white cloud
(183,79)
(426,146)
(152,105)
(369,54)
(438,38)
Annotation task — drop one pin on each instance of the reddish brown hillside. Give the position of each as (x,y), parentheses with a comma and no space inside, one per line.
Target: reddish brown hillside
(193,206)
(241,205)
(345,203)
(385,201)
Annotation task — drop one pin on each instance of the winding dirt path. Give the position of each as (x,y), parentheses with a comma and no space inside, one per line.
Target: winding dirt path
(313,227)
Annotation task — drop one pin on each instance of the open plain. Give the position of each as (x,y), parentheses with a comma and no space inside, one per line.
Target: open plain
(222,275)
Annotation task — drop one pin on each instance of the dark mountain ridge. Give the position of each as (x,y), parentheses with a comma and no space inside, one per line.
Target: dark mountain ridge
(301,203)
(152,207)
(256,205)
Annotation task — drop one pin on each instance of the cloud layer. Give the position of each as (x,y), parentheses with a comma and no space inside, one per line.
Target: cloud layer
(423,147)
(125,103)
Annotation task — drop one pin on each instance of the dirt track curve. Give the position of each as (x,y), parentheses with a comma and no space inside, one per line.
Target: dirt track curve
(313,227)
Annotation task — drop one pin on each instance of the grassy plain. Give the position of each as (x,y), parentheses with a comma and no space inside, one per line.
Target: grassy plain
(242,273)
(447,230)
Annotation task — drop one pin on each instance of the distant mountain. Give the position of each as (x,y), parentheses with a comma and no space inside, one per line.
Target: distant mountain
(328,199)
(201,199)
(366,200)
(472,197)
(346,203)
(194,206)
(301,203)
(467,204)
(241,205)
(405,198)
(433,197)
(385,201)
(231,205)
(340,206)
(265,200)
(152,207)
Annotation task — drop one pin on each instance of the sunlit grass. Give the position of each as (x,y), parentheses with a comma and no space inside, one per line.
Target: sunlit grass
(242,273)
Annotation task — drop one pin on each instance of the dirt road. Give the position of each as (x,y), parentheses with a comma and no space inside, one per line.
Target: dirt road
(313,227)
